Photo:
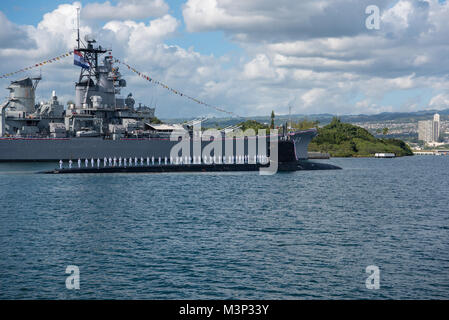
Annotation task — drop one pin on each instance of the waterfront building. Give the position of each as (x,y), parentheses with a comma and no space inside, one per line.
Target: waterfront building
(429,130)
(436,127)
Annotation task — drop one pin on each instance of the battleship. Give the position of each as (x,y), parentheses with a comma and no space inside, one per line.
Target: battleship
(101,123)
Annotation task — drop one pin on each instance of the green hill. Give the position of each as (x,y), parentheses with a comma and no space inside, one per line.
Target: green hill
(346,140)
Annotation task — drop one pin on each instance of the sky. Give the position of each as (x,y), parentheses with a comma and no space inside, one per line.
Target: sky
(248,57)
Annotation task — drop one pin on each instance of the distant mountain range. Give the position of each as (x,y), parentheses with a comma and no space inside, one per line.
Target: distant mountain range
(326,118)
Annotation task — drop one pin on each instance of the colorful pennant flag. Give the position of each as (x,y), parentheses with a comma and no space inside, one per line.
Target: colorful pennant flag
(36,65)
(174,90)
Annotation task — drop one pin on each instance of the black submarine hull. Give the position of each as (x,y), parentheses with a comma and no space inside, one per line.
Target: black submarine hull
(287,162)
(282,167)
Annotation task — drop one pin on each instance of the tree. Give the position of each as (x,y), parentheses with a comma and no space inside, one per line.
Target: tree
(253,124)
(305,124)
(336,122)
(345,140)
(155,120)
(272,120)
(385,131)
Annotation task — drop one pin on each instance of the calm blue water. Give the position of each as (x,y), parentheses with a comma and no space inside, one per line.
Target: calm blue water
(296,235)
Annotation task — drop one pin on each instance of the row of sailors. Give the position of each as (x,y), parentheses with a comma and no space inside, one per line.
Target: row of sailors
(112,162)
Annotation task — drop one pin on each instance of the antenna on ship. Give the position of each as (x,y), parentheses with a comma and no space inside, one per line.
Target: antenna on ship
(78,25)
(290,116)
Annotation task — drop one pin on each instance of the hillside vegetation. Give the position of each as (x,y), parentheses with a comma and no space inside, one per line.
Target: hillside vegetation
(346,140)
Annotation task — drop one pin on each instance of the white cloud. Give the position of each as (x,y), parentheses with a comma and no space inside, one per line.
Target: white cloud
(13,36)
(57,28)
(138,36)
(367,106)
(312,96)
(314,55)
(406,82)
(398,14)
(125,10)
(255,20)
(440,101)
(259,68)
(202,15)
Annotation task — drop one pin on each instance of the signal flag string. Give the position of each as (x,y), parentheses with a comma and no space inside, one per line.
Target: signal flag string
(140,74)
(37,65)
(177,92)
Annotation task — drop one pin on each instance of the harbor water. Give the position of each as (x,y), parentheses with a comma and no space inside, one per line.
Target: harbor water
(299,235)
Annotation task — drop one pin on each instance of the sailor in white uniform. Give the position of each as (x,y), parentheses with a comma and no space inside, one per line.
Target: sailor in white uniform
(60,164)
(70,164)
(79,163)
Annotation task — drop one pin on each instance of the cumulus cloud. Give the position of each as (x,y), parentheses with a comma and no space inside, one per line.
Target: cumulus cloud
(13,36)
(125,10)
(259,68)
(139,35)
(440,101)
(316,56)
(331,67)
(266,20)
(141,44)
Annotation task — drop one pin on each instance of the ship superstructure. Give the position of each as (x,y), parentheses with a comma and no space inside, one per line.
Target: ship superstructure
(102,123)
(98,109)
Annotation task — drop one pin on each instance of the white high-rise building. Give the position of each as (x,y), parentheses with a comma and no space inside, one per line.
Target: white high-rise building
(429,130)
(425,130)
(436,127)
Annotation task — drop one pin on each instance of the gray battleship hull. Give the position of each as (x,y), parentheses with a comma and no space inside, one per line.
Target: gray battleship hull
(47,149)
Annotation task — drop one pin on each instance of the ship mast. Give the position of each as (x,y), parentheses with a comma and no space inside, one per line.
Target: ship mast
(78,25)
(90,55)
